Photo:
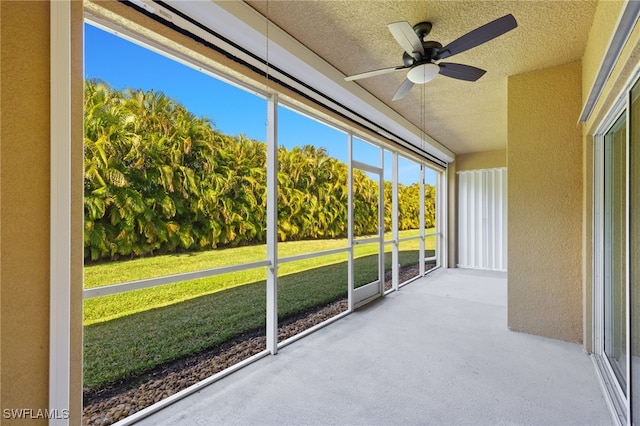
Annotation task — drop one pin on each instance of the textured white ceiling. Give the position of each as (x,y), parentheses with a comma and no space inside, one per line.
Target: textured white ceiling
(466,117)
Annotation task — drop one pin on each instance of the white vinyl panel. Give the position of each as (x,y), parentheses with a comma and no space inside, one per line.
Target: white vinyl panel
(491,221)
(486,220)
(473,251)
(496,219)
(479,195)
(503,221)
(462,221)
(482,219)
(471,214)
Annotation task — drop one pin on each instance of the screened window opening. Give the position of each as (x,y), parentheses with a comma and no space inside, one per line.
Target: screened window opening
(175,196)
(186,279)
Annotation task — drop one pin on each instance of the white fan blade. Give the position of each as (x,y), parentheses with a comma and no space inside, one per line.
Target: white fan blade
(374,73)
(406,38)
(403,90)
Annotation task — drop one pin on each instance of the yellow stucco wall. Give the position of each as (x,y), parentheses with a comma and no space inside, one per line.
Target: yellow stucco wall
(24,205)
(481,160)
(604,21)
(544,159)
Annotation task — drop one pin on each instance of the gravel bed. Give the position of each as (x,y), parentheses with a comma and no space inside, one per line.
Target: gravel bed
(107,408)
(110,405)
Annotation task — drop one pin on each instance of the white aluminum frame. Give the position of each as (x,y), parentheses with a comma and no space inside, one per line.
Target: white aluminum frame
(351,257)
(381,222)
(395,225)
(272,261)
(442,219)
(623,28)
(241,24)
(396,240)
(616,398)
(312,255)
(368,292)
(272,221)
(60,204)
(628,260)
(106,290)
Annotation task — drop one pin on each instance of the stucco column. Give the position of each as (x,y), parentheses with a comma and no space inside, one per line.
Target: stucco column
(544,159)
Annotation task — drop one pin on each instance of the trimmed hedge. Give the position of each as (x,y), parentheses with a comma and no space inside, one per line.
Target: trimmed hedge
(158,179)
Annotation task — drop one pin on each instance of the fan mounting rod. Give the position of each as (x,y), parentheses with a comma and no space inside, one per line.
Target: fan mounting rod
(422,29)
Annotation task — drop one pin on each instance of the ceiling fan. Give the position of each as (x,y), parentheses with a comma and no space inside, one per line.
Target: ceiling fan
(420,56)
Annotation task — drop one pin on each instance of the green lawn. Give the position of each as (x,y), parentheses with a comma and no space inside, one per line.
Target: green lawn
(110,307)
(130,333)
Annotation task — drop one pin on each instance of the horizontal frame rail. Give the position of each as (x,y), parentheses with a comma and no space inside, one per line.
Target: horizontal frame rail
(367,167)
(168,279)
(90,293)
(313,254)
(417,237)
(366,241)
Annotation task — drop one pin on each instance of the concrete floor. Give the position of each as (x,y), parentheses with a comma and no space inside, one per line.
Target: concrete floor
(436,352)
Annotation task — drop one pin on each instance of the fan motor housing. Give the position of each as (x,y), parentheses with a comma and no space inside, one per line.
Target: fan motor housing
(431,48)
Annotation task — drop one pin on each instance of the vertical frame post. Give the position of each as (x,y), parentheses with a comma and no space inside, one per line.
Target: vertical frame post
(350,262)
(272,224)
(395,225)
(381,223)
(627,260)
(598,244)
(441,219)
(60,205)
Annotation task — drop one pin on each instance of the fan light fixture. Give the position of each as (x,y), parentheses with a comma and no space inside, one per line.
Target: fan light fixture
(423,73)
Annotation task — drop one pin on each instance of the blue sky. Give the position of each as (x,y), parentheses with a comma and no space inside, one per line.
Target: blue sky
(123,64)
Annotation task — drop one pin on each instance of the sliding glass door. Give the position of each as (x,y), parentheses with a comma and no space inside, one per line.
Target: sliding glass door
(615,241)
(617,257)
(634,251)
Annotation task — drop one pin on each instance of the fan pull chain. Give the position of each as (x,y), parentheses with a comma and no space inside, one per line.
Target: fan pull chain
(422,107)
